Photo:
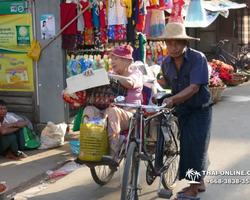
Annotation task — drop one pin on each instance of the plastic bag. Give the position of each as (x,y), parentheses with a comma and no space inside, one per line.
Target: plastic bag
(78,119)
(35,50)
(76,99)
(30,139)
(53,135)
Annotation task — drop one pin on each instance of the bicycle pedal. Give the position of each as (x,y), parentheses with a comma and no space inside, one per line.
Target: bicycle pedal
(144,157)
(165,194)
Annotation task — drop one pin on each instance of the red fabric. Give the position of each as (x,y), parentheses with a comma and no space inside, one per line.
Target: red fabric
(141,19)
(124,51)
(103,16)
(87,15)
(68,12)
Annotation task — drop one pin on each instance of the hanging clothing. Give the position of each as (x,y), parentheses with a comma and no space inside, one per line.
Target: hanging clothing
(80,38)
(103,16)
(68,11)
(80,22)
(117,13)
(103,35)
(175,15)
(117,32)
(157,23)
(131,26)
(147,23)
(196,15)
(87,15)
(95,15)
(139,46)
(141,15)
(69,41)
(89,36)
(97,41)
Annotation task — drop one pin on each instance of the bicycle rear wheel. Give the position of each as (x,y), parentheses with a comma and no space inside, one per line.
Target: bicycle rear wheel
(171,156)
(102,174)
(130,174)
(245,62)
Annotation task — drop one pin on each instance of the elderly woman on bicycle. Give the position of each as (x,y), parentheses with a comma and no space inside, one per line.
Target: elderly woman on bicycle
(132,79)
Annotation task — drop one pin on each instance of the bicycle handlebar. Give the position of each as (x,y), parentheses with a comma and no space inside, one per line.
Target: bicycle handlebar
(162,107)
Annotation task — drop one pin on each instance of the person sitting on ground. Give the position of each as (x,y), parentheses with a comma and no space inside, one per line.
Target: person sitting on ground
(11,134)
(132,79)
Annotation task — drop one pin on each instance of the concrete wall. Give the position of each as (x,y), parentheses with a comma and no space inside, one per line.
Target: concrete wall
(51,68)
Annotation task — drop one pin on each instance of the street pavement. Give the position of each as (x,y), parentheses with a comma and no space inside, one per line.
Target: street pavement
(229,150)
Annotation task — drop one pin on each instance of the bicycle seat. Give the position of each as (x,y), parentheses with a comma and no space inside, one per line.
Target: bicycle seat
(159,97)
(241,45)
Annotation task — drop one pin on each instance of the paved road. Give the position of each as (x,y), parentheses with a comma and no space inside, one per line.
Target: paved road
(229,150)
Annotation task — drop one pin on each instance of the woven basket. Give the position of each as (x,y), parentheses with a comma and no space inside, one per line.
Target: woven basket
(216,93)
(237,79)
(247,77)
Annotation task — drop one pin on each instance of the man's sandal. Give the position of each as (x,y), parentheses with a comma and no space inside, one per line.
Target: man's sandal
(181,196)
(183,190)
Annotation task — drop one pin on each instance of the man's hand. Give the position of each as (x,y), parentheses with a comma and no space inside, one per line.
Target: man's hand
(88,72)
(169,102)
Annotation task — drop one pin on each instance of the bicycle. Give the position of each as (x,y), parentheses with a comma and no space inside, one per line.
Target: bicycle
(166,161)
(133,149)
(240,63)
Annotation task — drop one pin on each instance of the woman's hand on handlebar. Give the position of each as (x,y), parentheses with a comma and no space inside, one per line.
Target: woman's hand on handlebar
(169,102)
(88,72)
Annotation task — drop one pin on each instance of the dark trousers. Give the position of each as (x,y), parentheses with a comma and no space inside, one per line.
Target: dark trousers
(13,142)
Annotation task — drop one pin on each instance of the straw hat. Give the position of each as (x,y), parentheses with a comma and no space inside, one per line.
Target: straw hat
(176,31)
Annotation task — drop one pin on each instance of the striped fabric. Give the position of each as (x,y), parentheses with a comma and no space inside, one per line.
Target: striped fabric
(242,25)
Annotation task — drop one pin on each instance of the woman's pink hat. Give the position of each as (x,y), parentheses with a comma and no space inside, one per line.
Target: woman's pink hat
(123,51)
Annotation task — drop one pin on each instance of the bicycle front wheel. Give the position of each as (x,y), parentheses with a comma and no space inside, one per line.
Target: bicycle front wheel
(130,174)
(171,156)
(102,174)
(245,62)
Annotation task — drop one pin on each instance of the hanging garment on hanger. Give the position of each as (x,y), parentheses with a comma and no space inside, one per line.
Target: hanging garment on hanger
(68,11)
(95,15)
(97,41)
(89,36)
(82,61)
(175,15)
(141,15)
(131,26)
(80,39)
(103,15)
(69,41)
(117,13)
(87,15)
(103,35)
(80,22)
(147,23)
(157,23)
(196,15)
(139,45)
(103,23)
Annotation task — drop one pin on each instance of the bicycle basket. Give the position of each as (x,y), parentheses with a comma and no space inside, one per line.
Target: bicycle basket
(213,47)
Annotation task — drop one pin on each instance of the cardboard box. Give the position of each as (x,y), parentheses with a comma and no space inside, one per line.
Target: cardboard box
(80,82)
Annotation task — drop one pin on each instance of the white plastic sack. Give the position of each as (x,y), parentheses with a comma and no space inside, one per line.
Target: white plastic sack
(53,135)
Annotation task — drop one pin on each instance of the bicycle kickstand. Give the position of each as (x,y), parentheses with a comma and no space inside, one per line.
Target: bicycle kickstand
(163,193)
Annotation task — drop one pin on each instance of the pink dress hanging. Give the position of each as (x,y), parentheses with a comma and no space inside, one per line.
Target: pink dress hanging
(175,15)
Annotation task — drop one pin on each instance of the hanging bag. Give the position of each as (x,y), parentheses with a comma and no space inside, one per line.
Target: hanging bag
(93,141)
